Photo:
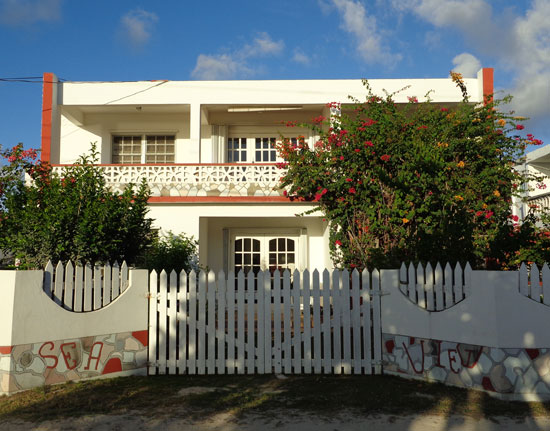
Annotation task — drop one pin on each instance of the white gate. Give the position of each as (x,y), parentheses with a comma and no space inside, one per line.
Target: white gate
(293,324)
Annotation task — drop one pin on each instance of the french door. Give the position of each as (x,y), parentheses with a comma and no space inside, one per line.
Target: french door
(264,251)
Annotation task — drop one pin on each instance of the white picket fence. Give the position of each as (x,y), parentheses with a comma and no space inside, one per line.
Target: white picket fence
(435,289)
(535,283)
(300,323)
(84,288)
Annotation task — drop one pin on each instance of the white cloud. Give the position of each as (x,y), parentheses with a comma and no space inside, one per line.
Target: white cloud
(466,64)
(364,29)
(236,63)
(24,12)
(136,27)
(300,57)
(519,44)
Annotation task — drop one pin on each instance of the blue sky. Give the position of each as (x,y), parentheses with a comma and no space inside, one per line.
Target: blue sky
(251,39)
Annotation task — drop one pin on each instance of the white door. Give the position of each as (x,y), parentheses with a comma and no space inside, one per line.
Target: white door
(260,252)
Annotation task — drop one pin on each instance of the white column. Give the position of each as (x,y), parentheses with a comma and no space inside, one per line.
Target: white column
(194,134)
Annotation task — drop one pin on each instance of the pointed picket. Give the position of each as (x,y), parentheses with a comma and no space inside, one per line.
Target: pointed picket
(535,290)
(336,323)
(230,334)
(458,287)
(546,284)
(48,279)
(59,284)
(376,319)
(356,322)
(346,322)
(467,289)
(523,280)
(211,325)
(411,289)
(98,294)
(287,323)
(78,302)
(438,288)
(192,323)
(260,322)
(326,325)
(316,294)
(201,324)
(366,320)
(182,316)
(250,325)
(420,286)
(163,328)
(296,314)
(220,327)
(403,283)
(448,287)
(153,322)
(241,319)
(306,290)
(171,337)
(429,279)
(107,284)
(115,280)
(268,321)
(88,288)
(123,277)
(277,326)
(68,297)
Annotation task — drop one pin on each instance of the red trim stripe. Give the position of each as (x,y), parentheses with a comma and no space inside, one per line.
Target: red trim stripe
(488,88)
(5,350)
(47,105)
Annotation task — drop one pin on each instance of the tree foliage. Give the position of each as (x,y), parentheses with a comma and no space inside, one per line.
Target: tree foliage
(415,182)
(71,215)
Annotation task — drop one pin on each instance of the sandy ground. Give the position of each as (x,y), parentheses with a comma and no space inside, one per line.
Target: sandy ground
(281,420)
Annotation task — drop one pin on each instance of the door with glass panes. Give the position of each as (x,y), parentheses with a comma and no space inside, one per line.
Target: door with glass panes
(264,251)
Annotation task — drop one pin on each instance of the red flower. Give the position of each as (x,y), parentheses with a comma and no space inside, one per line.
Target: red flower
(515,218)
(338,242)
(368,144)
(479,213)
(351,190)
(341,157)
(519,127)
(489,214)
(285,193)
(349,180)
(357,150)
(444,109)
(324,191)
(385,157)
(421,127)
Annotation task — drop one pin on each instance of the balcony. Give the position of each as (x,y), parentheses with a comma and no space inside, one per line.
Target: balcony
(203,180)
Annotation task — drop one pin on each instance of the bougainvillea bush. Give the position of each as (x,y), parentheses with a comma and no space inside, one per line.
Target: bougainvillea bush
(70,215)
(415,182)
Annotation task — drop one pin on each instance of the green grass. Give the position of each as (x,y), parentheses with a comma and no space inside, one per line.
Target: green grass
(321,395)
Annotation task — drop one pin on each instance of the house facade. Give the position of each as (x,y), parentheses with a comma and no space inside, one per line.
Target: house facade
(206,149)
(536,193)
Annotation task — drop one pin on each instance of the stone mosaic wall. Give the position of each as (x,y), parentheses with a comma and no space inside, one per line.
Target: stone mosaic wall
(513,373)
(31,365)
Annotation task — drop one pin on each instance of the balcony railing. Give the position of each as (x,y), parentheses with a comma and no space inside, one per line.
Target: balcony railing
(198,179)
(540,203)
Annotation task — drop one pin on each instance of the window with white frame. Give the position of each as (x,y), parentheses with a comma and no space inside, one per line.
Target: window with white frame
(255,144)
(143,148)
(277,250)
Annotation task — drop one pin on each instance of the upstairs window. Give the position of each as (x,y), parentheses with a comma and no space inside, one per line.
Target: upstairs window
(256,149)
(143,149)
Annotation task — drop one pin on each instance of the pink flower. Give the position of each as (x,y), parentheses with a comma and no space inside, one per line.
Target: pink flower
(357,150)
(369,144)
(285,193)
(515,218)
(412,99)
(351,190)
(519,127)
(349,180)
(479,213)
(341,157)
(444,109)
(489,214)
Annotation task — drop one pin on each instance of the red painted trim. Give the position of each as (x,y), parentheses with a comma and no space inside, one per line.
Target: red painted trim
(488,87)
(221,199)
(175,164)
(5,350)
(141,336)
(47,105)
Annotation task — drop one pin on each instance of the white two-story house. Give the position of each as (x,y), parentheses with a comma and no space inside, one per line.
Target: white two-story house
(206,149)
